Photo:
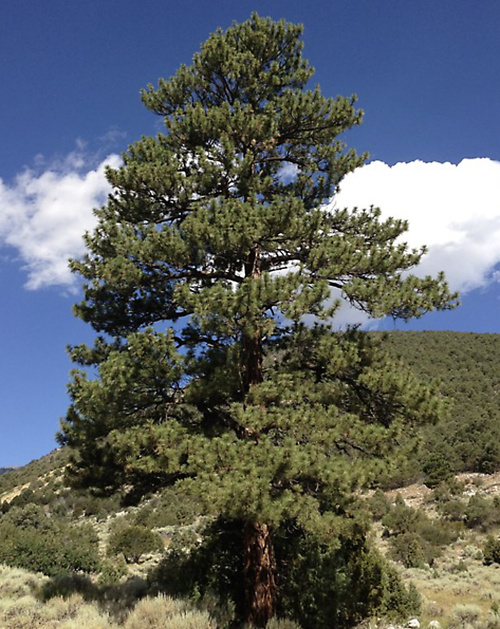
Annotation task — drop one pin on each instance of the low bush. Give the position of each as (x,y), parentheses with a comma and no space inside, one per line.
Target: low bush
(452,510)
(112,572)
(482,513)
(379,505)
(448,490)
(168,509)
(168,613)
(464,616)
(33,541)
(134,541)
(491,551)
(417,540)
(341,584)
(412,550)
(437,468)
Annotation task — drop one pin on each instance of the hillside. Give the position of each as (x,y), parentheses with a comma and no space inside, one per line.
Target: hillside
(34,472)
(467,367)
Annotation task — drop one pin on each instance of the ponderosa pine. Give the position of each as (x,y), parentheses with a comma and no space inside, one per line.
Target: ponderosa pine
(214,245)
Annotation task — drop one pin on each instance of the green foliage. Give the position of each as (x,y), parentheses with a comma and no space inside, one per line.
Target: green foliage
(412,550)
(112,572)
(41,544)
(448,490)
(415,539)
(211,572)
(33,471)
(453,510)
(437,468)
(134,541)
(338,585)
(168,509)
(167,613)
(464,616)
(208,245)
(282,623)
(379,505)
(482,513)
(491,551)
(468,437)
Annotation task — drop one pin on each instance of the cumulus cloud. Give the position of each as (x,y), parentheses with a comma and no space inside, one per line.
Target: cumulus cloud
(454,209)
(44,213)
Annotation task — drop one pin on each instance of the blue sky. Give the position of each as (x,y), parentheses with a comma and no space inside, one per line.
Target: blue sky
(427,75)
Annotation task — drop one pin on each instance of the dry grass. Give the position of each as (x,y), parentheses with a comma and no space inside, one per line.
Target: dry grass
(458,590)
(22,608)
(459,579)
(168,613)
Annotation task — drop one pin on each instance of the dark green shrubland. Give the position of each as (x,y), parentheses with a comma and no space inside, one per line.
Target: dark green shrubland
(416,540)
(32,540)
(467,439)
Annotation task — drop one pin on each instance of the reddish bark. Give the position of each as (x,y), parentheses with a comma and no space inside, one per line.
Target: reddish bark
(260,563)
(260,569)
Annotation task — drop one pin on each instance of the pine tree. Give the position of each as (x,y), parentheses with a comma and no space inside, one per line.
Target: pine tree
(212,248)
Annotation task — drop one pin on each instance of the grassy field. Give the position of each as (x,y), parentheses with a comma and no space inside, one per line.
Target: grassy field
(24,605)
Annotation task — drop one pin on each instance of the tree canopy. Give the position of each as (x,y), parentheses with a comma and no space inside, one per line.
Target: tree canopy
(215,243)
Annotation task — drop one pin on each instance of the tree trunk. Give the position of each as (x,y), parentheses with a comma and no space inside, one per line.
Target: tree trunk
(260,563)
(260,568)
(251,344)
(252,354)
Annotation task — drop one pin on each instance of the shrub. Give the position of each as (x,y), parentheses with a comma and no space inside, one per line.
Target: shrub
(464,616)
(416,539)
(282,623)
(168,613)
(448,490)
(112,572)
(27,517)
(169,509)
(481,513)
(210,573)
(379,504)
(453,510)
(40,544)
(400,519)
(411,550)
(134,541)
(339,585)
(491,551)
(437,469)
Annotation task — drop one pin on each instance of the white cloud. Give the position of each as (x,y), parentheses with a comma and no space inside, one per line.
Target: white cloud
(453,209)
(288,173)
(43,214)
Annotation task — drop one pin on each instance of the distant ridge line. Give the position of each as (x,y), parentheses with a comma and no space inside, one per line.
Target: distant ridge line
(3,470)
